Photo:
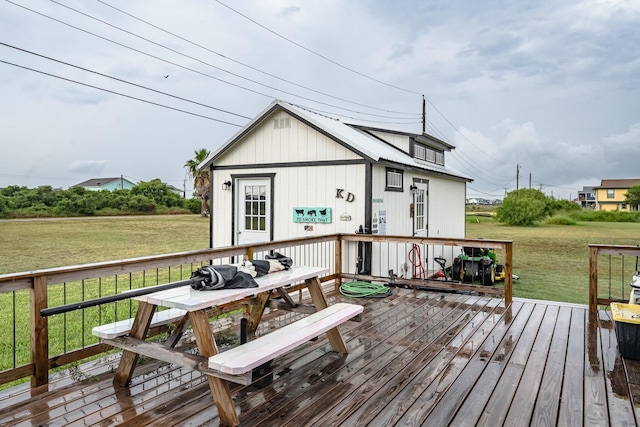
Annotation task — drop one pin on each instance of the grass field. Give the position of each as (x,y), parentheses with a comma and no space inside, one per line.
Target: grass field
(551,260)
(36,244)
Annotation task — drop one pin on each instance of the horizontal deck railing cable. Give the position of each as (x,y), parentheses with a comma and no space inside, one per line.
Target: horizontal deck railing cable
(63,304)
(611,270)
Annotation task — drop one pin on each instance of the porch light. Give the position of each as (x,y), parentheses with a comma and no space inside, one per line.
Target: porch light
(226,185)
(414,189)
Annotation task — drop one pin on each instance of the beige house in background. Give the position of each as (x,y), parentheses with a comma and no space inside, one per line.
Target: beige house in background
(610,195)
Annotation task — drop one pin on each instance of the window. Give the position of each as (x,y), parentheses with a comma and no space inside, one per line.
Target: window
(419,210)
(255,210)
(611,193)
(423,152)
(394,180)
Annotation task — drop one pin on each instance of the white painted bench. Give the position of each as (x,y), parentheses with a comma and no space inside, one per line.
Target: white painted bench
(123,327)
(239,361)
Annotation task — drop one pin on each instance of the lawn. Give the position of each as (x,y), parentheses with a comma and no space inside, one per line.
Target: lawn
(553,260)
(43,243)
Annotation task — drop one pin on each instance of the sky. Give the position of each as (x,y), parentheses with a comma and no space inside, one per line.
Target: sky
(543,94)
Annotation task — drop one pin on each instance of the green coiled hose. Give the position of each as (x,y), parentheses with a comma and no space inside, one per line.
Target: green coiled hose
(360,289)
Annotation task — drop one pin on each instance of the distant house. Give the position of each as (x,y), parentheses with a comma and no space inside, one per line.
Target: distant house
(610,195)
(176,190)
(96,184)
(587,197)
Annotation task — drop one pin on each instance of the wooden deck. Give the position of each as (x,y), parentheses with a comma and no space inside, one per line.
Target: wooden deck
(417,358)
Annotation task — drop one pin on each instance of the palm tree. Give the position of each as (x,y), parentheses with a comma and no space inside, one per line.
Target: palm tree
(201,178)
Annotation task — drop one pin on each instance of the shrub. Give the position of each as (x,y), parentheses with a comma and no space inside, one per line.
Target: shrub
(523,207)
(561,220)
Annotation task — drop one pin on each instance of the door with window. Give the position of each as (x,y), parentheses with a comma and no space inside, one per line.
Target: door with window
(420,204)
(253,207)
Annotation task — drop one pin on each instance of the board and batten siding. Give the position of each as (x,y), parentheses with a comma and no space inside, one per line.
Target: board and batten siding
(297,143)
(446,208)
(400,141)
(308,186)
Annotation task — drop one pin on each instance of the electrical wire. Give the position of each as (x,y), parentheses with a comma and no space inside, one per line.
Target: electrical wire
(124,81)
(316,53)
(249,66)
(203,62)
(120,94)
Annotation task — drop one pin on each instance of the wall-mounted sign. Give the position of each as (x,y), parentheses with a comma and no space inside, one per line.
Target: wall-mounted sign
(350,197)
(319,215)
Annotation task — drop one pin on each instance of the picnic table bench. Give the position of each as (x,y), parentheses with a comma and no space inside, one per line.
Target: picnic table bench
(188,306)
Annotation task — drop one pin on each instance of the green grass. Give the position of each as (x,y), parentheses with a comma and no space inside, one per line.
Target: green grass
(553,260)
(42,243)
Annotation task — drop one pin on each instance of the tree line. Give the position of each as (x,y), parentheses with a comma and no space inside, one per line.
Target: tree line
(152,197)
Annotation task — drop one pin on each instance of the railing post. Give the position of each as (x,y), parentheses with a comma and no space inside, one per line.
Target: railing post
(249,254)
(508,274)
(593,279)
(338,262)
(39,337)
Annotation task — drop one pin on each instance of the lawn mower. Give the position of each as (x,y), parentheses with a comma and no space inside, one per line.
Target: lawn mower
(477,265)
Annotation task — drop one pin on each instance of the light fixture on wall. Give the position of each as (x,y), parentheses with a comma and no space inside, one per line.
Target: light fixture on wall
(226,185)
(413,188)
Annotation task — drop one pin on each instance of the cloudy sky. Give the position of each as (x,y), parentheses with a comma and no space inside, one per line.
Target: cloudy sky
(134,88)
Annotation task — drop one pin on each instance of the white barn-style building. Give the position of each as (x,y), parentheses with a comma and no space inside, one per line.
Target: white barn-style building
(293,173)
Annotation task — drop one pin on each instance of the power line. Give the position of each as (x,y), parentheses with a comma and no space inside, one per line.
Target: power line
(124,81)
(315,110)
(120,94)
(192,58)
(316,53)
(249,66)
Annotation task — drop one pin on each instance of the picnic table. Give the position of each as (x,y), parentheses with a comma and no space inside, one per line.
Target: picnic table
(189,306)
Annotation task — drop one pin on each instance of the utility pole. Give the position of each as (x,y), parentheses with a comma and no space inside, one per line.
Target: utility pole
(517,177)
(529,180)
(424,115)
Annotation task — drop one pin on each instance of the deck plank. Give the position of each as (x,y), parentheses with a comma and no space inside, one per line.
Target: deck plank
(391,345)
(404,362)
(455,396)
(502,396)
(546,404)
(474,405)
(432,382)
(417,358)
(521,411)
(571,399)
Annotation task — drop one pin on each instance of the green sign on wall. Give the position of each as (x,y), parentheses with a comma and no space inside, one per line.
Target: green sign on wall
(318,215)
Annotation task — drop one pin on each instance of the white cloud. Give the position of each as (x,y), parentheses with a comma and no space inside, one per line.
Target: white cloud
(550,86)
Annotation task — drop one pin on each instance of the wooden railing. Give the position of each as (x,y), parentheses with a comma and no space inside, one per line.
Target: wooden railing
(615,272)
(338,252)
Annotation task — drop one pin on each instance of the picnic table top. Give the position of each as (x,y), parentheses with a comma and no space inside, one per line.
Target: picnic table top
(189,299)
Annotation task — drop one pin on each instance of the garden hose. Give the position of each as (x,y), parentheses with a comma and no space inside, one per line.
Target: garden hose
(360,289)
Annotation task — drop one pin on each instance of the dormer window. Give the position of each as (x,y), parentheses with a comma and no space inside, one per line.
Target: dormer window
(428,154)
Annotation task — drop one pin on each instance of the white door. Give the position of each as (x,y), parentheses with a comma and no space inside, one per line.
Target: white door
(253,202)
(420,217)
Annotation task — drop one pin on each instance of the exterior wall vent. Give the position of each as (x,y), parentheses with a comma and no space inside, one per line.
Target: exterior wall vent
(282,123)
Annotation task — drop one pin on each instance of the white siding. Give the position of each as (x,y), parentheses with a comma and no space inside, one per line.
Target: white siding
(399,141)
(446,208)
(311,186)
(445,217)
(298,143)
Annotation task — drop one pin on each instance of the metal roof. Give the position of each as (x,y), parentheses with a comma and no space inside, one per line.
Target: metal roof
(353,136)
